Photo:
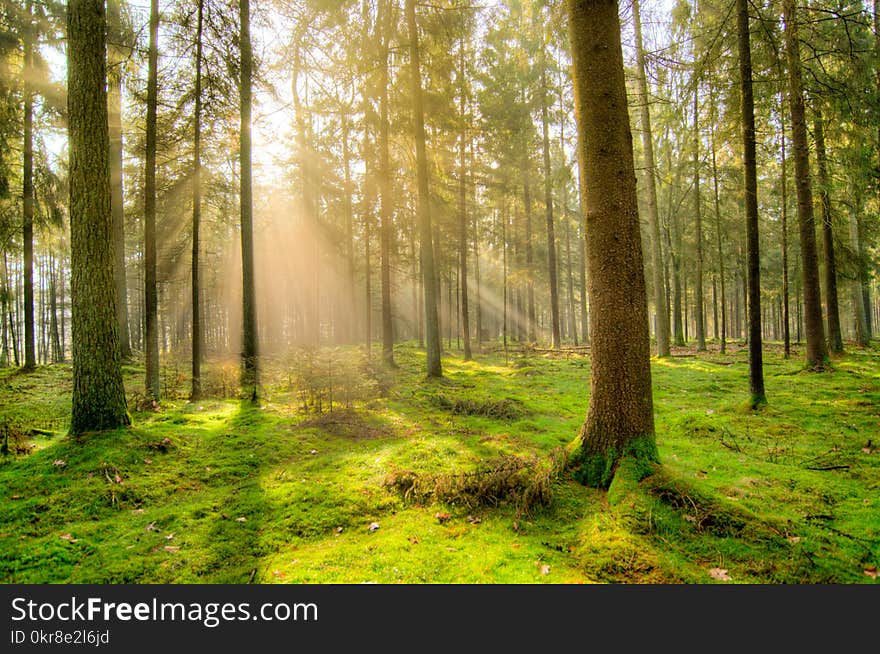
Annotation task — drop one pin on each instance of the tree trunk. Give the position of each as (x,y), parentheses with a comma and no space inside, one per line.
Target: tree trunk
(860,311)
(718,245)
(432,331)
(835,338)
(816,350)
(530,272)
(548,201)
(151,327)
(750,172)
(197,330)
(783,186)
(620,418)
(462,213)
(98,400)
(661,323)
(698,229)
(385,186)
(27,181)
(114,107)
(250,368)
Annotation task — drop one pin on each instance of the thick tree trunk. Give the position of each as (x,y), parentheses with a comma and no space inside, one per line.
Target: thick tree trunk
(756,365)
(432,331)
(98,392)
(661,323)
(250,368)
(835,338)
(816,350)
(620,418)
(151,298)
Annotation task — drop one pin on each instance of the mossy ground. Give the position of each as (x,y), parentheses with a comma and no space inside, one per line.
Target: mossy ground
(219,491)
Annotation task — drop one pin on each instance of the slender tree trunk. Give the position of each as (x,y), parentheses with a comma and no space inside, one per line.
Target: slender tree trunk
(57,353)
(385,187)
(661,324)
(816,350)
(620,418)
(114,107)
(151,326)
(860,311)
(98,400)
(548,201)
(718,244)
(197,329)
(698,229)
(783,186)
(462,213)
(349,231)
(530,271)
(27,181)
(835,338)
(432,331)
(250,368)
(756,364)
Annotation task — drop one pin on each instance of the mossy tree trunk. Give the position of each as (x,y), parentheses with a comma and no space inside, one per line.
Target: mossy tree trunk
(98,393)
(620,418)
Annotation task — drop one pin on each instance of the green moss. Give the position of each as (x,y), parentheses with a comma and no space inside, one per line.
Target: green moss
(598,470)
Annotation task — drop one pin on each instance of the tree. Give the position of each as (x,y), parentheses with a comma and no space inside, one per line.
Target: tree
(30,361)
(151,295)
(661,320)
(98,391)
(816,350)
(620,419)
(750,174)
(426,238)
(197,332)
(548,204)
(250,368)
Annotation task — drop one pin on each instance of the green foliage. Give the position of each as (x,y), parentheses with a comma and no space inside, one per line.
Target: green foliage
(219,491)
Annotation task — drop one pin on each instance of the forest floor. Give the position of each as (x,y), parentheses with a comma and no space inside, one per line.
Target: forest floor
(446,481)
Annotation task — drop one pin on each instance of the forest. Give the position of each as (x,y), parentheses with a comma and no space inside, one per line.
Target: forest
(492,292)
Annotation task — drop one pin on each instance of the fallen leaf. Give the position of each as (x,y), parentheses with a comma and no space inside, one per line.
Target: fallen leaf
(794,539)
(442,516)
(871,572)
(720,574)
(117,478)
(18,497)
(137,511)
(59,463)
(515,546)
(414,539)
(276,573)
(68,537)
(148,461)
(515,525)
(867,450)
(702,474)
(169,536)
(690,518)
(152,527)
(339,530)
(241,519)
(171,548)
(545,569)
(473,520)
(313,451)
(373,527)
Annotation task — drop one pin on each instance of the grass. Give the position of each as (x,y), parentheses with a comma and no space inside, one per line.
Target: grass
(219,491)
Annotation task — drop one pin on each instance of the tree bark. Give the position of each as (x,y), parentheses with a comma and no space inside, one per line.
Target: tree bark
(835,338)
(750,172)
(661,323)
(698,229)
(548,203)
(783,186)
(250,367)
(30,361)
(816,350)
(197,329)
(385,187)
(462,211)
(98,400)
(151,298)
(620,418)
(432,331)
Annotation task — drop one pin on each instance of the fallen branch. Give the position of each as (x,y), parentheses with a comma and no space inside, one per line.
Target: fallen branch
(839,467)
